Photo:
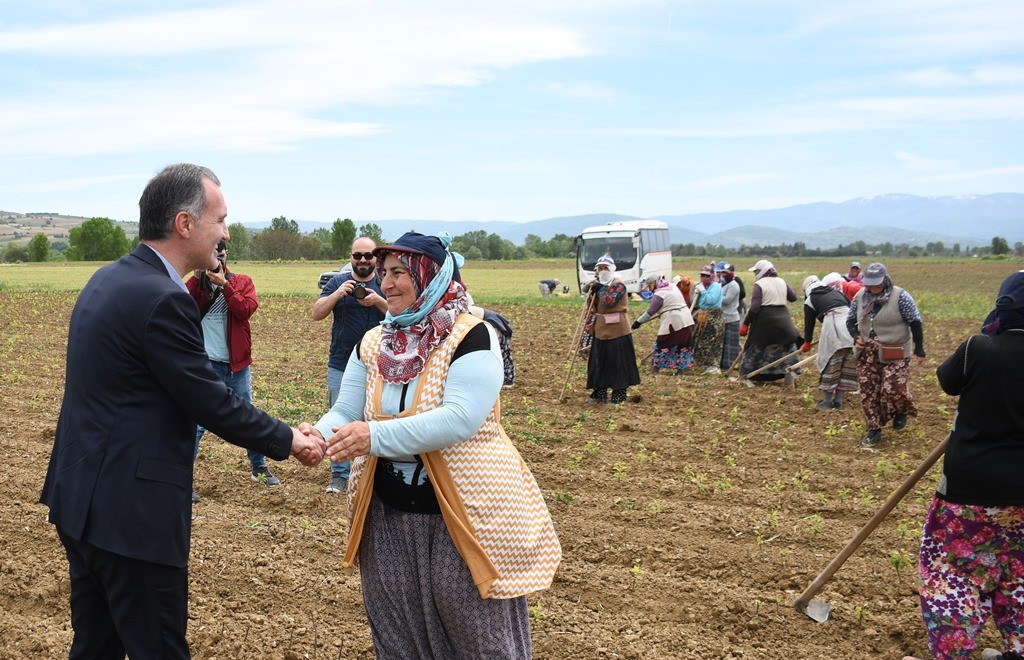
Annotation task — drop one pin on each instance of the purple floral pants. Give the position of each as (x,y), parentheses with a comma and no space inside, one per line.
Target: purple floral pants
(972,567)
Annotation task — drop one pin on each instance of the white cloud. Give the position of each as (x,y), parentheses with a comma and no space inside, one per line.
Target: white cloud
(978,174)
(254,77)
(544,167)
(843,116)
(70,184)
(731,180)
(914,28)
(584,92)
(914,163)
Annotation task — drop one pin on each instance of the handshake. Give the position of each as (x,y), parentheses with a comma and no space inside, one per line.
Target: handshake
(307,445)
(348,442)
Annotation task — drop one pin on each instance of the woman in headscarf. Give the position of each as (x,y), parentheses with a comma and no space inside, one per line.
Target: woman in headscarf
(848,288)
(675,330)
(611,364)
(710,333)
(837,367)
(685,286)
(883,319)
(732,298)
(972,547)
(772,334)
(446,522)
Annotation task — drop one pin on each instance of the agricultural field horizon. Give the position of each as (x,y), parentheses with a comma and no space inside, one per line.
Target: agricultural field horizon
(690,517)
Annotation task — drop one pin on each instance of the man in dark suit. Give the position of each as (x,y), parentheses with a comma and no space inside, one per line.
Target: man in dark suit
(138,380)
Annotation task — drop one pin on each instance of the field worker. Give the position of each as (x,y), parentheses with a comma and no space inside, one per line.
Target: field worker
(837,367)
(883,320)
(972,555)
(772,334)
(138,380)
(547,287)
(685,286)
(357,305)
(847,287)
(854,274)
(446,522)
(672,346)
(226,300)
(709,335)
(611,364)
(731,299)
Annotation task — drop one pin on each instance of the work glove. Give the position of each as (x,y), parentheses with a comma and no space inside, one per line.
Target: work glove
(743,330)
(635,326)
(806,347)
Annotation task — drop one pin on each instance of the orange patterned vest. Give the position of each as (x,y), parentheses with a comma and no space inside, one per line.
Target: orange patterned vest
(492,505)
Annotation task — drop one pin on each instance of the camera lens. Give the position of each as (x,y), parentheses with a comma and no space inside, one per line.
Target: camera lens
(359,292)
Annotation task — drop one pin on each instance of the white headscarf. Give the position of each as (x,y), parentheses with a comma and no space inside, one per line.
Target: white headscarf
(605,278)
(811,282)
(832,279)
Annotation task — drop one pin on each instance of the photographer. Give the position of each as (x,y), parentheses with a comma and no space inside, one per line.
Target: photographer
(356,302)
(226,301)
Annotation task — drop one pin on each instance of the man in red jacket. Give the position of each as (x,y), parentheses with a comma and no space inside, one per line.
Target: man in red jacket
(226,301)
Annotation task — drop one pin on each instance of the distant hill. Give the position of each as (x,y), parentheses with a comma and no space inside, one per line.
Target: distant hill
(970,220)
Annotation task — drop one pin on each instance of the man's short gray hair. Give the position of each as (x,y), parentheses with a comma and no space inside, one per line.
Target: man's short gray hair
(176,188)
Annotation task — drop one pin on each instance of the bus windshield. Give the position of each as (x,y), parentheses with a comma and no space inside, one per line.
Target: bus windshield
(619,248)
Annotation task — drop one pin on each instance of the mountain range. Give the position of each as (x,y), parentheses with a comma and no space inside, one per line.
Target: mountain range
(970,220)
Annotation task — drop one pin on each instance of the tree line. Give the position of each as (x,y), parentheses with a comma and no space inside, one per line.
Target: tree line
(102,239)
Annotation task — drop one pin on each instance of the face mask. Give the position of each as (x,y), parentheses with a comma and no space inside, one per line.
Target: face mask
(604,277)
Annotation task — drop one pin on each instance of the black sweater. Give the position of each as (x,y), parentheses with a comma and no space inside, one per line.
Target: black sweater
(823,300)
(984,461)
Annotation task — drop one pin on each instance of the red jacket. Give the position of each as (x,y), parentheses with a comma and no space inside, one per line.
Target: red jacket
(240,295)
(850,289)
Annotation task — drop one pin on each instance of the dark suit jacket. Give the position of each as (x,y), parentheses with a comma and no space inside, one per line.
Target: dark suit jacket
(138,379)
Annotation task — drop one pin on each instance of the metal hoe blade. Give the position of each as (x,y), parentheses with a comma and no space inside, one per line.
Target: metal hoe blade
(816,609)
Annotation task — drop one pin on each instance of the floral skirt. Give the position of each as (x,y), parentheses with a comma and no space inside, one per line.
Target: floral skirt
(884,387)
(671,358)
(972,567)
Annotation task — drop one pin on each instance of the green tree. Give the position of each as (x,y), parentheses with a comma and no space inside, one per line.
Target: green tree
(343,233)
(310,247)
(281,223)
(372,230)
(1000,246)
(322,237)
(15,254)
(39,248)
(97,239)
(240,245)
(271,244)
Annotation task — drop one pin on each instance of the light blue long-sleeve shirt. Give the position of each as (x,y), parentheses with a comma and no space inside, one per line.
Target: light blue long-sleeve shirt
(473,385)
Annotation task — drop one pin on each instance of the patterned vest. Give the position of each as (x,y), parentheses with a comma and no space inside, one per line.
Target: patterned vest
(612,321)
(888,323)
(492,505)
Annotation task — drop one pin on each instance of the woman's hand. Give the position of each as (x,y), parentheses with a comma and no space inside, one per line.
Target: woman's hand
(349,441)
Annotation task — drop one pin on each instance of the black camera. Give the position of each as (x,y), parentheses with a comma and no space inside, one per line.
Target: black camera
(359,291)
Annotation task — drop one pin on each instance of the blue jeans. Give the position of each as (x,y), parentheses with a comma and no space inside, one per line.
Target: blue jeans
(334,377)
(241,383)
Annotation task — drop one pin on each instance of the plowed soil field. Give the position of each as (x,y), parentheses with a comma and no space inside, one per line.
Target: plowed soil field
(690,517)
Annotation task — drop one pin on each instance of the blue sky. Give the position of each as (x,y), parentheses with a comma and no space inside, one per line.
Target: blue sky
(476,110)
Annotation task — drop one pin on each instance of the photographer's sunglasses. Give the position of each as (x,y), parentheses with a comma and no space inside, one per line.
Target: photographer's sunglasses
(365,256)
